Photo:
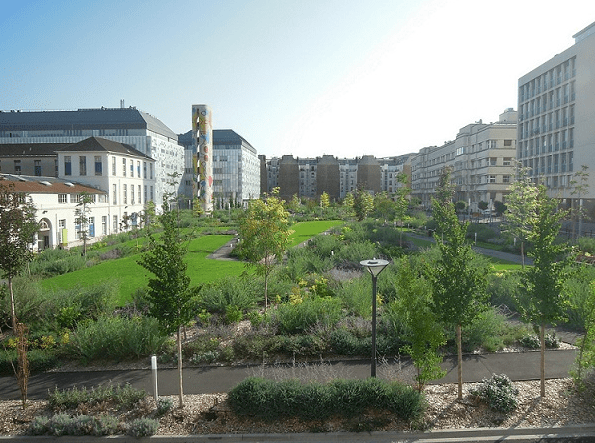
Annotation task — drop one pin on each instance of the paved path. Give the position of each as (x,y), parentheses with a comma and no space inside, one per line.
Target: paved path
(211,379)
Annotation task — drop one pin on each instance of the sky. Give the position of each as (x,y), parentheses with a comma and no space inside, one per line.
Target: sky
(302,77)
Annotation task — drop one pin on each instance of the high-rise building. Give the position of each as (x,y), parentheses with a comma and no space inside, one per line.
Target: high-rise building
(130,126)
(556,135)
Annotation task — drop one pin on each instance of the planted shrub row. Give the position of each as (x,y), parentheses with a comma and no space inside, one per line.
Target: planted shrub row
(271,400)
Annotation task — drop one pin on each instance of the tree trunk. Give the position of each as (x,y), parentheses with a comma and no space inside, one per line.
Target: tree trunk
(12,307)
(180,366)
(522,254)
(460,362)
(542,366)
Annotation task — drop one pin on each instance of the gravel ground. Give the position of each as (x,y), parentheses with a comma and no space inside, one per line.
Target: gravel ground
(209,414)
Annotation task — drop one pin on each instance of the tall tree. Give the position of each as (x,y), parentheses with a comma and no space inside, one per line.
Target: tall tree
(169,290)
(81,217)
(401,203)
(264,233)
(543,299)
(363,204)
(580,187)
(458,281)
(521,204)
(17,228)
(325,200)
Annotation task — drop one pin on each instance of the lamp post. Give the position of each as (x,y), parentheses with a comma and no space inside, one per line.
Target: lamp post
(374,267)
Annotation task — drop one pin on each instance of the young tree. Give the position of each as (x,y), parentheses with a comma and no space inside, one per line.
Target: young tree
(363,204)
(325,200)
(424,333)
(17,227)
(169,290)
(543,299)
(81,217)
(458,281)
(348,203)
(264,233)
(580,187)
(520,203)
(401,203)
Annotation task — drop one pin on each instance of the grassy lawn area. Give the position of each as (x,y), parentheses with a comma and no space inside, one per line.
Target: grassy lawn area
(304,230)
(131,276)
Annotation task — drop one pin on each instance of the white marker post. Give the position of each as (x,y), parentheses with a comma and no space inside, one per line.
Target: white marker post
(154,372)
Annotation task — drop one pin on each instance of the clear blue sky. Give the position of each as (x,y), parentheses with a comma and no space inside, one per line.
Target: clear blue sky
(301,77)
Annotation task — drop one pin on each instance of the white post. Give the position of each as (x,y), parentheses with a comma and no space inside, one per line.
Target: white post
(154,372)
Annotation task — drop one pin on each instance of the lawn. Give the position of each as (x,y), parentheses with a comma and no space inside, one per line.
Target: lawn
(131,276)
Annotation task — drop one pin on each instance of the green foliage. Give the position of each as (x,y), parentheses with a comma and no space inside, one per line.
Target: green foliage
(420,322)
(354,252)
(169,289)
(240,292)
(498,392)
(116,338)
(40,360)
(121,396)
(56,262)
(355,296)
(164,405)
(143,427)
(585,359)
(363,204)
(484,232)
(264,230)
(298,318)
(503,288)
(271,400)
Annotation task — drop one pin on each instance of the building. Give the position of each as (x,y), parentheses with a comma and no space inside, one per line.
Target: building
(482,159)
(236,167)
(121,179)
(141,131)
(556,135)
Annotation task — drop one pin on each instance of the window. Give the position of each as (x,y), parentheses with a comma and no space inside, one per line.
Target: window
(104,225)
(37,168)
(98,166)
(91,227)
(145,193)
(493,161)
(114,194)
(82,165)
(62,198)
(507,142)
(139,195)
(151,172)
(115,224)
(138,168)
(144,169)
(113,165)
(67,165)
(124,195)
(131,168)
(62,224)
(507,161)
(151,193)
(17,167)
(506,179)
(131,194)
(124,167)
(492,179)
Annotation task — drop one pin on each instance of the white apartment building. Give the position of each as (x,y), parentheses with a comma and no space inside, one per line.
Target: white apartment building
(482,158)
(142,131)
(556,134)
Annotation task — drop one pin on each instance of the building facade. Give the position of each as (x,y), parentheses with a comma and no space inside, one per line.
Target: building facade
(130,126)
(482,160)
(556,135)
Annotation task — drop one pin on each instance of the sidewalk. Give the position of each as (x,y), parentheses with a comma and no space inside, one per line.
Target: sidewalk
(215,379)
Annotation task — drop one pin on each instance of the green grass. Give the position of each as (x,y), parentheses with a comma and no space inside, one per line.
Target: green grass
(304,230)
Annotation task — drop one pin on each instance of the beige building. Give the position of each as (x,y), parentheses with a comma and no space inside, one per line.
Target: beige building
(556,134)
(482,158)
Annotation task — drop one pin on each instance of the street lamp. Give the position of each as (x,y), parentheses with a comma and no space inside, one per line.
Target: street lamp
(374,267)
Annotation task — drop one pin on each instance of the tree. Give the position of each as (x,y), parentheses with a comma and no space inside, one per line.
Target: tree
(401,203)
(325,200)
(580,185)
(17,228)
(348,203)
(542,298)
(169,290)
(384,206)
(458,282)
(499,207)
(81,218)
(424,333)
(363,204)
(264,233)
(521,202)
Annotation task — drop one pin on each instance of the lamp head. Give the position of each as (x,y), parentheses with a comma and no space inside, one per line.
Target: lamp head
(374,266)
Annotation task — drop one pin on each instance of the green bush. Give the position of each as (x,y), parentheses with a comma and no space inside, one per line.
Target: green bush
(356,296)
(355,252)
(240,292)
(484,232)
(504,288)
(298,318)
(121,396)
(271,400)
(63,424)
(143,427)
(498,392)
(40,360)
(116,338)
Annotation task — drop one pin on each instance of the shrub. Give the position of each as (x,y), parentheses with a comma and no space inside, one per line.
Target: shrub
(498,392)
(237,291)
(484,232)
(356,298)
(271,400)
(297,318)
(122,396)
(164,405)
(116,338)
(40,360)
(353,253)
(143,427)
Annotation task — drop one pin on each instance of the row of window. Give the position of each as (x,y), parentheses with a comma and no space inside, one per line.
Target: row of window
(547,123)
(127,165)
(547,80)
(128,194)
